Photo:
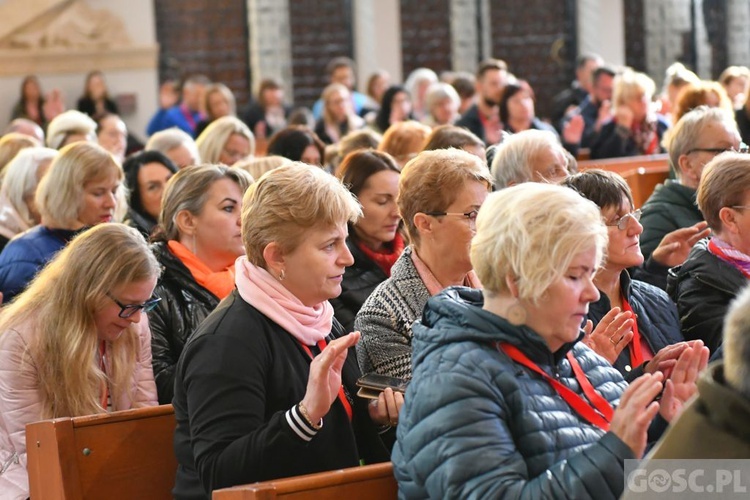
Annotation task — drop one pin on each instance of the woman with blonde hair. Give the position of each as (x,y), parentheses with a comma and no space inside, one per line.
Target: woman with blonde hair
(281,402)
(226,140)
(18,210)
(10,145)
(635,129)
(439,195)
(218,101)
(404,140)
(77,341)
(196,243)
(82,188)
(338,115)
(505,401)
(256,167)
(703,93)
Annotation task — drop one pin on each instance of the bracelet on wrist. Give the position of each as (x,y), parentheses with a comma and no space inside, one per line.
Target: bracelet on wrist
(306,416)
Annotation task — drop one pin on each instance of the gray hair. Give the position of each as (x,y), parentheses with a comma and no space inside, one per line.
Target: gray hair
(439,91)
(165,141)
(67,123)
(20,181)
(511,164)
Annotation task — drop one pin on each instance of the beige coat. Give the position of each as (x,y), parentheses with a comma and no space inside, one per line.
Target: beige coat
(20,402)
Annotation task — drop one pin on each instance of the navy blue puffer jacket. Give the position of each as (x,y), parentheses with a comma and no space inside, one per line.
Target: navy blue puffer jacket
(477,425)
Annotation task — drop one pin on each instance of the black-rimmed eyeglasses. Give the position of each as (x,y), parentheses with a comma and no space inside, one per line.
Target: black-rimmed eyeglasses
(472,216)
(742,149)
(127,310)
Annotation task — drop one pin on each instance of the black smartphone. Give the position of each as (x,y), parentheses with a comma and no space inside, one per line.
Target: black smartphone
(372,384)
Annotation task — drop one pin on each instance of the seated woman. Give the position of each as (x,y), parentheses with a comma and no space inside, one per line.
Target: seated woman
(69,127)
(10,145)
(76,342)
(450,136)
(146,176)
(442,104)
(517,109)
(175,144)
(196,244)
(226,140)
(218,101)
(374,240)
(635,129)
(338,115)
(112,135)
(80,190)
(95,100)
(702,93)
(439,195)
(265,388)
(18,210)
(404,140)
(395,108)
(297,143)
(496,407)
(640,339)
(718,268)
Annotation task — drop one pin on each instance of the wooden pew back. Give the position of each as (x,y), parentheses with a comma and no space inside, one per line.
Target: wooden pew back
(371,482)
(120,455)
(642,173)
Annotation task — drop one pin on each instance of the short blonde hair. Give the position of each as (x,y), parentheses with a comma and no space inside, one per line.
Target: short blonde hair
(226,93)
(404,140)
(59,196)
(256,167)
(433,180)
(212,141)
(513,157)
(11,144)
(68,123)
(530,233)
(724,183)
(287,201)
(629,83)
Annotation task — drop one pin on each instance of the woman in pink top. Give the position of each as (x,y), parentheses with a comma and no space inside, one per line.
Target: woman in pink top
(76,342)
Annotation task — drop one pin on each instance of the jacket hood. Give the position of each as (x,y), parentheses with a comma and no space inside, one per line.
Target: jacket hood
(456,315)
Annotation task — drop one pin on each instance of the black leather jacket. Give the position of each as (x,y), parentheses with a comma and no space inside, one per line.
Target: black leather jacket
(184,304)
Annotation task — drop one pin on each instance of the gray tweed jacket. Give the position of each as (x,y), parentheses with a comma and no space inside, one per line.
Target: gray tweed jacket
(386,318)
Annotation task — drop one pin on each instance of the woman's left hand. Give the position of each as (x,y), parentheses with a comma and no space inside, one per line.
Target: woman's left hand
(385,409)
(681,385)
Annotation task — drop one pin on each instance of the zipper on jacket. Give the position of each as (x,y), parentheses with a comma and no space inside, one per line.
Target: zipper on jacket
(12,460)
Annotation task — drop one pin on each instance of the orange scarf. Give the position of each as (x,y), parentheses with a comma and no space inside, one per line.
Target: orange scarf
(219,283)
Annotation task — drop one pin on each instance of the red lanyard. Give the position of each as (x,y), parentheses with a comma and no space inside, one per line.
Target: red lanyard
(342,396)
(636,353)
(600,415)
(103,366)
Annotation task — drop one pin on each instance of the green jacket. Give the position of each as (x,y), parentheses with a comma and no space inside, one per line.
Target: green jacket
(671,206)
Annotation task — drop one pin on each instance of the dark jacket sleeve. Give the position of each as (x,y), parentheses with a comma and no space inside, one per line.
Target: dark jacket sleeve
(702,310)
(613,142)
(479,459)
(164,357)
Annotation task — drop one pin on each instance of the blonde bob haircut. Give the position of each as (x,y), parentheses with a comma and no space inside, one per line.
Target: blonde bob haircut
(725,183)
(59,196)
(289,200)
(61,304)
(188,190)
(433,180)
(630,84)
(530,233)
(212,141)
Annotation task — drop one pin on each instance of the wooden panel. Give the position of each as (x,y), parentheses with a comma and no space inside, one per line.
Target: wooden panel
(371,482)
(642,173)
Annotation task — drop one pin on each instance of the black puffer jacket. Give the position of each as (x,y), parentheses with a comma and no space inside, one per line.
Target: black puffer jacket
(184,304)
(658,322)
(702,288)
(477,425)
(360,280)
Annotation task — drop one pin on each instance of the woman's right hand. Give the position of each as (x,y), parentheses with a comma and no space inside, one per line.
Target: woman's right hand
(611,335)
(637,409)
(324,380)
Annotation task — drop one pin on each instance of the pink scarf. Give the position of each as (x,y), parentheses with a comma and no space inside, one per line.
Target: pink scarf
(431,282)
(730,255)
(257,287)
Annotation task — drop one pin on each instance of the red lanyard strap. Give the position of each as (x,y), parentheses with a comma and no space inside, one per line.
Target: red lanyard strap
(636,352)
(342,396)
(600,415)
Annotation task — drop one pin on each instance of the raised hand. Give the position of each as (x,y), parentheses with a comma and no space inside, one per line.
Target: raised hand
(573,129)
(674,248)
(637,408)
(324,380)
(681,385)
(613,333)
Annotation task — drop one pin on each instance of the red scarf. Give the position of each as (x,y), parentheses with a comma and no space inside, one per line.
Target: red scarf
(219,283)
(386,257)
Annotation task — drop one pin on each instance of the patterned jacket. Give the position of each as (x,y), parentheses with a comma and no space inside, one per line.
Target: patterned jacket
(386,318)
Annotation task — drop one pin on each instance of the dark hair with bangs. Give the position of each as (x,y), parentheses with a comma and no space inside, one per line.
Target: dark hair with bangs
(606,189)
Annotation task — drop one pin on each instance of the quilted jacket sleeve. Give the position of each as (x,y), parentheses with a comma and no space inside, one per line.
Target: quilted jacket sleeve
(145,388)
(477,456)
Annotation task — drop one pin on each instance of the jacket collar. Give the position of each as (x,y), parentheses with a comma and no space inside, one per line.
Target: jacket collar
(724,406)
(178,275)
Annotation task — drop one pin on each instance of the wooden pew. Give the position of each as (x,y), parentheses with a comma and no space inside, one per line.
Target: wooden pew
(120,455)
(642,173)
(371,482)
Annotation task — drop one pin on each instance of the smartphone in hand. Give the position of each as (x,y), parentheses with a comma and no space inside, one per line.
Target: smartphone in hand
(372,384)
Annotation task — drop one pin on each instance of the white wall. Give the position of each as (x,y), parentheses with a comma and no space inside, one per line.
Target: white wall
(377,39)
(601,29)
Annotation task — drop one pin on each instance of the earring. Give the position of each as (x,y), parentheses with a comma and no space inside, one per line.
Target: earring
(282,275)
(516,314)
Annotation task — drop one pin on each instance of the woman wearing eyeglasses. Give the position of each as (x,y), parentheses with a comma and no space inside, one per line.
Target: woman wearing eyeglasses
(197,242)
(226,140)
(374,240)
(439,195)
(718,267)
(77,341)
(640,329)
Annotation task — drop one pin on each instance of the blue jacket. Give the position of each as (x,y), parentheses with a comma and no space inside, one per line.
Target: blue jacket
(477,425)
(26,254)
(173,117)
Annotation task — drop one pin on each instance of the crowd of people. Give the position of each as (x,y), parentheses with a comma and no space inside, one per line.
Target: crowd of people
(249,264)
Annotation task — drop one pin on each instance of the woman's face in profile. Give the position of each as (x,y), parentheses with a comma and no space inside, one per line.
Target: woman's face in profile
(558,316)
(623,247)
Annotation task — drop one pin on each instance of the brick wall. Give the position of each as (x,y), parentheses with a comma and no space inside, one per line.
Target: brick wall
(202,36)
(537,40)
(321,30)
(635,35)
(425,35)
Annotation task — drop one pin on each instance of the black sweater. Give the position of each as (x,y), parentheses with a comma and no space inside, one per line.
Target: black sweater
(238,382)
